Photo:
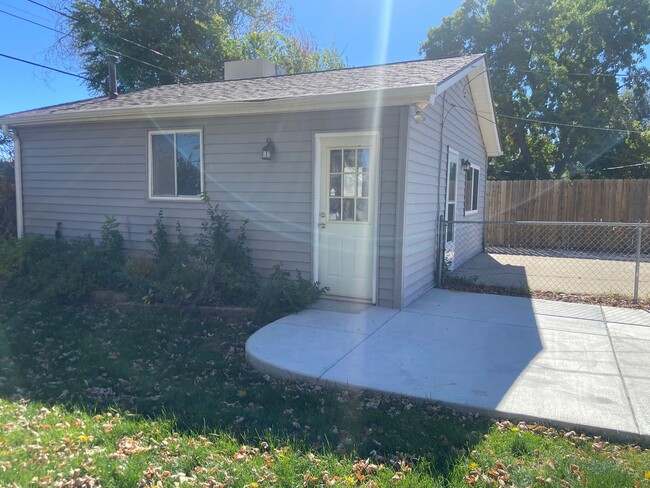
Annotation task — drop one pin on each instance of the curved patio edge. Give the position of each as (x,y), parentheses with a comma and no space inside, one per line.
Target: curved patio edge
(511,358)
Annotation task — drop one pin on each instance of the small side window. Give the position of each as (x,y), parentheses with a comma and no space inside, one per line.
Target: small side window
(175,164)
(472,179)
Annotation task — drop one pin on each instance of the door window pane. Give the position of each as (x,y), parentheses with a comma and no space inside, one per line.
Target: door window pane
(349,186)
(362,190)
(335,209)
(335,185)
(363,159)
(348,209)
(362,210)
(349,160)
(335,161)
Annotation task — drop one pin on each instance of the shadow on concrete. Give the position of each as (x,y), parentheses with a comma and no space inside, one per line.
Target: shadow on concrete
(484,269)
(507,356)
(465,350)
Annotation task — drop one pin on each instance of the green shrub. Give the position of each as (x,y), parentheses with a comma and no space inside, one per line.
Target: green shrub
(110,255)
(53,270)
(62,270)
(281,295)
(170,275)
(225,264)
(215,270)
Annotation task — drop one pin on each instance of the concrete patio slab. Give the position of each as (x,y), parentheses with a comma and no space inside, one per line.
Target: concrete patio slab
(508,356)
(627,316)
(288,350)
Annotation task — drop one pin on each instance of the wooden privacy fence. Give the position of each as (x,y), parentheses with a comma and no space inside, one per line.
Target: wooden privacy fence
(565,201)
(569,201)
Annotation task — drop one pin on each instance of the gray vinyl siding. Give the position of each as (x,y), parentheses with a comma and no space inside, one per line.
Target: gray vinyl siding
(463,134)
(425,191)
(79,174)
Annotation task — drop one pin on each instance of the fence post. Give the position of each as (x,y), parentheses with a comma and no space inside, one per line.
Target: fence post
(639,233)
(441,250)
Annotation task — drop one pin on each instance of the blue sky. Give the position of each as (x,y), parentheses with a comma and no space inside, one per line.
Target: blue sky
(367,31)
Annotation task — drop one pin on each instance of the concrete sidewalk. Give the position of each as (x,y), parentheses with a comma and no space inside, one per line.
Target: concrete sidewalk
(573,365)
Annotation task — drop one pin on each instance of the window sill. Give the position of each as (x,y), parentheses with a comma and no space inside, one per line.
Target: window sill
(175,199)
(471,212)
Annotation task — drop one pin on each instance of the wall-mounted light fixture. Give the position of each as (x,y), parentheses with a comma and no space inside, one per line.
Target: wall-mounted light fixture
(268,149)
(465,165)
(419,117)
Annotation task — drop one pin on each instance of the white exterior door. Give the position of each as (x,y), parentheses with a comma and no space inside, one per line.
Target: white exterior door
(347,167)
(453,160)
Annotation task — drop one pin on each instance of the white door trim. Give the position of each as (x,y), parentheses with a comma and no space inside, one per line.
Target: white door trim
(318,138)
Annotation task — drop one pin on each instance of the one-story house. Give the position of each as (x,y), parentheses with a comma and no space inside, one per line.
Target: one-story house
(341,174)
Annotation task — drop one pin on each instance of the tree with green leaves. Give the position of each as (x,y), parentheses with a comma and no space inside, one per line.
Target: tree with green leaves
(161,42)
(565,63)
(6,149)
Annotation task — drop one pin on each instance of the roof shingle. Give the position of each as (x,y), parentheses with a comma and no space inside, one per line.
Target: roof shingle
(347,80)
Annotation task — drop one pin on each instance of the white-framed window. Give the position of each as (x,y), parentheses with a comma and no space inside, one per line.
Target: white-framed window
(472,179)
(452,176)
(176,164)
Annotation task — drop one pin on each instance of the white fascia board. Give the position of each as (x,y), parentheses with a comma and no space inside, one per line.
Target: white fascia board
(482,95)
(479,84)
(339,101)
(477,64)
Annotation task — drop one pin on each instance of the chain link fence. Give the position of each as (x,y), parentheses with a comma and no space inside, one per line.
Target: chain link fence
(581,258)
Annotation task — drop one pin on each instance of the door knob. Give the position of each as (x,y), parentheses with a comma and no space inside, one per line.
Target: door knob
(322,214)
(321,225)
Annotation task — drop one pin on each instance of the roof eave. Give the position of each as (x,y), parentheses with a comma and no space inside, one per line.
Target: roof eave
(351,100)
(479,82)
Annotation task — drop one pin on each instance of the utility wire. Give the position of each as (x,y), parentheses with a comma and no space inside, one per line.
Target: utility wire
(45,67)
(34,22)
(111,50)
(545,122)
(551,73)
(626,166)
(25,11)
(148,64)
(108,33)
(49,8)
(577,126)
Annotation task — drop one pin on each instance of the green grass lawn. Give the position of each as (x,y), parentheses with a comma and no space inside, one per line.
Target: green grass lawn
(147,397)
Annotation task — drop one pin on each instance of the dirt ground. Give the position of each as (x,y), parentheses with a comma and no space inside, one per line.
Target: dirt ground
(557,274)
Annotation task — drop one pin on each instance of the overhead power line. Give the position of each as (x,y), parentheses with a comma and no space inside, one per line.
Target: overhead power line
(45,67)
(108,33)
(148,64)
(568,73)
(24,11)
(546,122)
(49,8)
(627,166)
(577,126)
(111,50)
(33,22)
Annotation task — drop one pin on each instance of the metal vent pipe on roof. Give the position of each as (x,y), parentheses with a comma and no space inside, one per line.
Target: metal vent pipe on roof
(112,77)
